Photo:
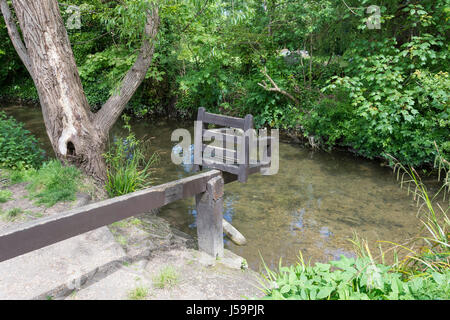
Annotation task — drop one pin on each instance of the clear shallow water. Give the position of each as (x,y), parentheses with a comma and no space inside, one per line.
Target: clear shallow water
(314,204)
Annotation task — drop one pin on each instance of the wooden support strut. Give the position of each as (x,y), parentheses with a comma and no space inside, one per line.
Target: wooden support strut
(209,218)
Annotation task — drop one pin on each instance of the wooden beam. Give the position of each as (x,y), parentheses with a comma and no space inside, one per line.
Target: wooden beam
(225,121)
(209,218)
(230,168)
(39,233)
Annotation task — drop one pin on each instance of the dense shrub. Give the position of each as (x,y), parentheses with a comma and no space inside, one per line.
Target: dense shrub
(19,149)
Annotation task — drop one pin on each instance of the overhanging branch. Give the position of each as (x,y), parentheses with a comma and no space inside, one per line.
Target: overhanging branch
(275,88)
(113,107)
(15,36)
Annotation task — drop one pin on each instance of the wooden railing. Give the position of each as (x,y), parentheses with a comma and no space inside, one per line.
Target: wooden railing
(207,188)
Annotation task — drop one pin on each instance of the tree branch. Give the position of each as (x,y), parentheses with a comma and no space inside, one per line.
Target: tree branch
(275,88)
(113,107)
(15,36)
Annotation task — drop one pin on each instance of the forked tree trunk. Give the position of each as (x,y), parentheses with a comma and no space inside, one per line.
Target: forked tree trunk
(77,135)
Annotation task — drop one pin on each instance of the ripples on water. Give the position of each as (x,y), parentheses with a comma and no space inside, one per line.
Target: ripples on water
(314,204)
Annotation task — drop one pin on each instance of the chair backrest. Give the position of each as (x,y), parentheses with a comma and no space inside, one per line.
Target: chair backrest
(236,160)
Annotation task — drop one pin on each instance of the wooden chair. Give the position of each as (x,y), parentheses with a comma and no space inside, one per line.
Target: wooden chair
(238,132)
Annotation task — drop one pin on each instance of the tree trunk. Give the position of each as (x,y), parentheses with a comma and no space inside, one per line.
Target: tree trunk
(77,135)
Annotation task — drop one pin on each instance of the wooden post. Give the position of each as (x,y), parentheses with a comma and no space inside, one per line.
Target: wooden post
(209,218)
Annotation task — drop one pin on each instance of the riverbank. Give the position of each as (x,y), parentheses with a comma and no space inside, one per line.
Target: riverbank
(290,135)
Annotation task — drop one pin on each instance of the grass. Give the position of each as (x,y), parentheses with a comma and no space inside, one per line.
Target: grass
(50,184)
(16,213)
(5,195)
(168,277)
(430,250)
(139,293)
(122,240)
(127,223)
(12,214)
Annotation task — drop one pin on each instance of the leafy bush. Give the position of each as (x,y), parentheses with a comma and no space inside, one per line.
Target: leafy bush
(128,169)
(19,149)
(353,279)
(399,103)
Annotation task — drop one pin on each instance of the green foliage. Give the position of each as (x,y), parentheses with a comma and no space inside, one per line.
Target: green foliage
(139,293)
(433,252)
(18,148)
(128,170)
(52,183)
(12,214)
(353,279)
(398,109)
(376,91)
(5,195)
(166,278)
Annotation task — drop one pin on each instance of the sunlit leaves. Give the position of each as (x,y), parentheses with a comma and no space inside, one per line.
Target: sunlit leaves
(354,279)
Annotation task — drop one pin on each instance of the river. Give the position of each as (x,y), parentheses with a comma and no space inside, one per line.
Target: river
(315,203)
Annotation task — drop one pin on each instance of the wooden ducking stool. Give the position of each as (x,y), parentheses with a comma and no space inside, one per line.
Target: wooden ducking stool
(207,187)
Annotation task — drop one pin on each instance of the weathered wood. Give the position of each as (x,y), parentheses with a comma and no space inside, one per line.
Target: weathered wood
(231,168)
(220,136)
(233,234)
(36,234)
(209,218)
(228,156)
(241,156)
(225,121)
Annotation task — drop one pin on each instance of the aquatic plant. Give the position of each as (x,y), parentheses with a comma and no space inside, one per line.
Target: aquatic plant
(433,250)
(128,170)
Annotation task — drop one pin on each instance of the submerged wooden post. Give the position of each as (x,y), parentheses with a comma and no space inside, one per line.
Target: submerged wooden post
(209,218)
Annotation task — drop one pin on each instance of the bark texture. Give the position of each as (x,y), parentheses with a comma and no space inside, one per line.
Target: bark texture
(77,135)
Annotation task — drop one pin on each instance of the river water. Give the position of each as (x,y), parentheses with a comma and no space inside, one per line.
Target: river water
(315,203)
